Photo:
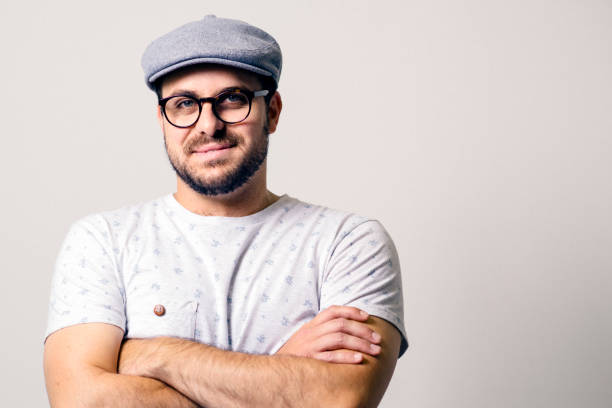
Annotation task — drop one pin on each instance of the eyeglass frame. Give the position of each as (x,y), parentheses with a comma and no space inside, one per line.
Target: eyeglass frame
(213,99)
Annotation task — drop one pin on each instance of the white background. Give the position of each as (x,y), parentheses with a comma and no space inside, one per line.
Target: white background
(478,132)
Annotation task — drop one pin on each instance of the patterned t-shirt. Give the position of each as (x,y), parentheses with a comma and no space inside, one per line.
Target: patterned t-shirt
(237,283)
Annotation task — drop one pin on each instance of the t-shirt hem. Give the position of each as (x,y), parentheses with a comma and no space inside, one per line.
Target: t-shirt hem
(392,318)
(51,330)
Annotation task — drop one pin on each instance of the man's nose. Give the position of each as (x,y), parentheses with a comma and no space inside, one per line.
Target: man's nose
(208,123)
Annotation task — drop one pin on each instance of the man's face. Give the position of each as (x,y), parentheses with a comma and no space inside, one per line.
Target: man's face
(213,157)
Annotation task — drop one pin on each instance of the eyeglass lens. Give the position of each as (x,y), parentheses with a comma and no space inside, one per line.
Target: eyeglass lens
(230,107)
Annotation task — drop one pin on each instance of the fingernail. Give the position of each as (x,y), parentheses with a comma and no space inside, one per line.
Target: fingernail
(357,356)
(375,337)
(374,348)
(364,314)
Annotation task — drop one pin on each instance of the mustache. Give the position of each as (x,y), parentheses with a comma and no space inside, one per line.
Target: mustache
(220,136)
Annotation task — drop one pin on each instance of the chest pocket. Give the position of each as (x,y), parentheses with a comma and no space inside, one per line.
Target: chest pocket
(161,314)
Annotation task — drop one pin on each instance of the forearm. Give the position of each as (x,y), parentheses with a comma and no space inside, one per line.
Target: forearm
(99,388)
(80,364)
(214,377)
(132,391)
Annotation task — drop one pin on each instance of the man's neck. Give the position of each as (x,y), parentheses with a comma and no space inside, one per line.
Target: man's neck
(248,199)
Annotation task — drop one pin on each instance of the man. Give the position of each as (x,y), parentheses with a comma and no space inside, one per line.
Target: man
(223,293)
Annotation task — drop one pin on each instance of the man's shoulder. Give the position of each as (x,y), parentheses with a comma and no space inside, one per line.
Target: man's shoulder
(122,217)
(320,210)
(341,221)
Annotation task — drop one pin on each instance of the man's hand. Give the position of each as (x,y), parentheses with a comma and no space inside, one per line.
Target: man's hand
(338,334)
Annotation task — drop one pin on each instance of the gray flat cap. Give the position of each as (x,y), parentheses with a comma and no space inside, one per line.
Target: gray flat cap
(215,41)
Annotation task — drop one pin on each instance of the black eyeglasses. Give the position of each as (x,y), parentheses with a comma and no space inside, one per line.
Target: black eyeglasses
(230,106)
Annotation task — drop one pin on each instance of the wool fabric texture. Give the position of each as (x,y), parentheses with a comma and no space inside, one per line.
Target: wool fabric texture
(213,40)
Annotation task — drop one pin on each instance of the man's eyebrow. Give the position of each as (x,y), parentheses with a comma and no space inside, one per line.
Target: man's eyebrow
(233,88)
(188,92)
(182,92)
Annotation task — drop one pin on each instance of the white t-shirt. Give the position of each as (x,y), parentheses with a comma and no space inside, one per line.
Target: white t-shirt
(236,283)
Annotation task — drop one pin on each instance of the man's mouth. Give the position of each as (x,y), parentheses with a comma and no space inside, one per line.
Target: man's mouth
(213,151)
(211,147)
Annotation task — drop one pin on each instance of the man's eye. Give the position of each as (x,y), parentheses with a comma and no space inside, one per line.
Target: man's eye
(233,98)
(184,103)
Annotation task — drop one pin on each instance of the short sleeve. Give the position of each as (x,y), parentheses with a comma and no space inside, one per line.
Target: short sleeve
(86,287)
(363,271)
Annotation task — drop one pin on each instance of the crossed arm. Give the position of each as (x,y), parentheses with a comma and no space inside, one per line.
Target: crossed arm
(80,365)
(170,372)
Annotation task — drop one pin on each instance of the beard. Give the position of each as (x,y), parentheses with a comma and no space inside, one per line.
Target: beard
(232,178)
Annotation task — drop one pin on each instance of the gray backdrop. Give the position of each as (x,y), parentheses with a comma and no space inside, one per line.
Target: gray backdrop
(478,132)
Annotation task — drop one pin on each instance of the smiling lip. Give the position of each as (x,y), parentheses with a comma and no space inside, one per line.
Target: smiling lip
(212,147)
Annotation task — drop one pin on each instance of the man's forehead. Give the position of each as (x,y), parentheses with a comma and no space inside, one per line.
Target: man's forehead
(208,78)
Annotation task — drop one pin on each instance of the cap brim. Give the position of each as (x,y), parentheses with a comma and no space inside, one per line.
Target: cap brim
(205,60)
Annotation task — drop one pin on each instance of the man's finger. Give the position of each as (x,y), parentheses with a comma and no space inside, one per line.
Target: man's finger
(339,356)
(333,312)
(337,341)
(348,326)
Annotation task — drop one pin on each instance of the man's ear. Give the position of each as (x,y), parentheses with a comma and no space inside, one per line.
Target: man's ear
(274,109)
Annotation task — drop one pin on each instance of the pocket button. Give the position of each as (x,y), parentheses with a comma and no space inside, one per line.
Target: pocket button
(159,310)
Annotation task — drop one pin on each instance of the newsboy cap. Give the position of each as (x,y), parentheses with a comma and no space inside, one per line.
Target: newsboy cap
(213,40)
